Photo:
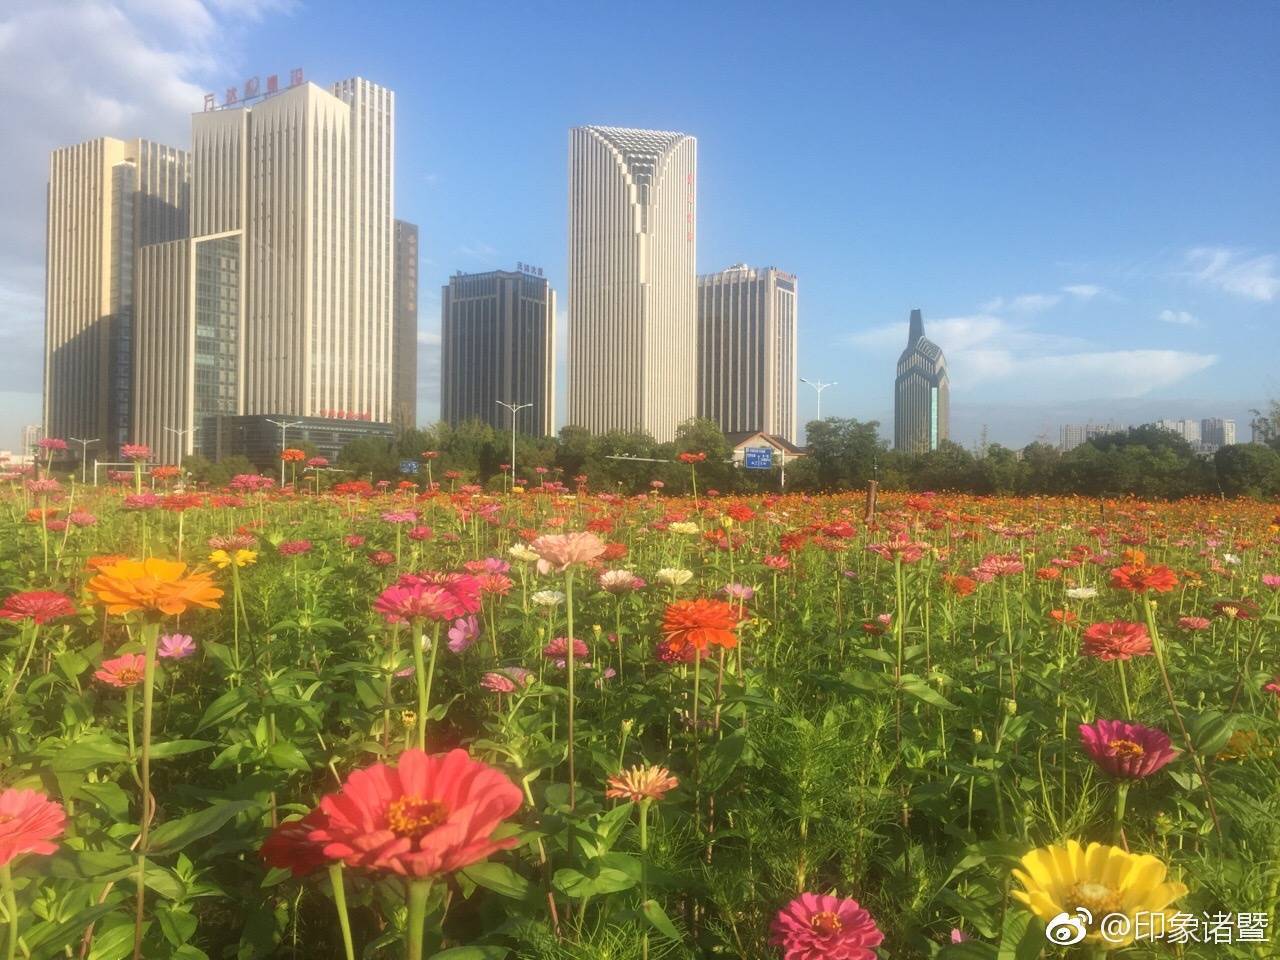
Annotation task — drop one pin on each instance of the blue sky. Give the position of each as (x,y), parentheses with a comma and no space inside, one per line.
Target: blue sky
(1081,197)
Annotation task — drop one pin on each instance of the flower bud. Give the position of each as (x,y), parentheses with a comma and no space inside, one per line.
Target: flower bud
(977,734)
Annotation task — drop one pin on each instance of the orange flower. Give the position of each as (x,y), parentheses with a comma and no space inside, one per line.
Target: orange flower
(640,784)
(153,585)
(105,560)
(960,585)
(699,624)
(1048,573)
(293,455)
(1064,617)
(1141,579)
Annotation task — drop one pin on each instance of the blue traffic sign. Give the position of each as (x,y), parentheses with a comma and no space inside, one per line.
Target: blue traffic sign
(758,458)
(408,466)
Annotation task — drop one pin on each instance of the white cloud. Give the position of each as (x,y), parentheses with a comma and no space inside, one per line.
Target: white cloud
(1254,277)
(1180,318)
(1084,291)
(1024,303)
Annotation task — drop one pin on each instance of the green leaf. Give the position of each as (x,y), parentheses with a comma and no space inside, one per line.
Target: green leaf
(471,953)
(1022,937)
(178,926)
(86,754)
(968,950)
(114,943)
(654,913)
(173,836)
(922,691)
(722,760)
(225,707)
(499,878)
(176,748)
(288,757)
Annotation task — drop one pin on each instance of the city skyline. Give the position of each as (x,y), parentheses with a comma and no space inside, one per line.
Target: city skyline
(1041,325)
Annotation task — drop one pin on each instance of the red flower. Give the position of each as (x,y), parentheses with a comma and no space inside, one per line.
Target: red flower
(1064,617)
(290,847)
(28,823)
(1143,579)
(699,624)
(38,605)
(1116,640)
(817,927)
(692,457)
(1126,751)
(428,815)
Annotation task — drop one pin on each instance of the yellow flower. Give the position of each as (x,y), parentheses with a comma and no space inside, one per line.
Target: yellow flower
(242,558)
(1102,879)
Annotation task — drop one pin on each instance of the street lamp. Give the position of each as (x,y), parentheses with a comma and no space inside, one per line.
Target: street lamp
(84,454)
(284,426)
(514,408)
(182,446)
(818,387)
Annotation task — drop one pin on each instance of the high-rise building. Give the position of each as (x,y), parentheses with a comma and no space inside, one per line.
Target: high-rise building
(1188,430)
(1072,435)
(404,348)
(107,198)
(497,335)
(922,393)
(258,272)
(632,311)
(747,350)
(1216,432)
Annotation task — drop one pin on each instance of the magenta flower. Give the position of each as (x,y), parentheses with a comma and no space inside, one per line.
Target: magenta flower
(463,633)
(399,516)
(176,646)
(818,927)
(1271,580)
(294,548)
(1126,751)
(417,601)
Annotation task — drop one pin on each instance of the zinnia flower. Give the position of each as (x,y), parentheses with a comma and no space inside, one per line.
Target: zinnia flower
(122,672)
(1082,593)
(1126,751)
(558,649)
(28,823)
(820,927)
(153,585)
(426,816)
(560,551)
(674,576)
(135,451)
(1194,623)
(40,606)
(241,558)
(290,847)
(1102,879)
(640,784)
(699,624)
(294,548)
(176,646)
(1116,640)
(619,581)
(417,601)
(1143,579)
(547,598)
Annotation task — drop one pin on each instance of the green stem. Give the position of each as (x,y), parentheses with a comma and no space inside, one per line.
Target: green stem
(150,633)
(1122,795)
(419,891)
(11,908)
(340,901)
(644,874)
(569,659)
(1124,691)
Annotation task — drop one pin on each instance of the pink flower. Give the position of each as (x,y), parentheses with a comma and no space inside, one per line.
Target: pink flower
(1116,640)
(1126,751)
(142,501)
(39,606)
(560,551)
(400,516)
(28,823)
(382,558)
(1271,580)
(176,646)
(294,548)
(558,649)
(463,633)
(818,927)
(426,816)
(122,672)
(1194,623)
(497,683)
(135,451)
(619,581)
(1273,686)
(900,547)
(419,533)
(81,518)
(738,591)
(353,540)
(418,601)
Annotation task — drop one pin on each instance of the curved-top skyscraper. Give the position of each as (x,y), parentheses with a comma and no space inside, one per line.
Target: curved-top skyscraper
(921,393)
(632,311)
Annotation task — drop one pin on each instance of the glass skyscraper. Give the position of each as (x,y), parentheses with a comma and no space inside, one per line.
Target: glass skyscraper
(921,393)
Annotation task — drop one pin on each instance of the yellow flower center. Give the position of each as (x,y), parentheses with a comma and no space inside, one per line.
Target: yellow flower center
(1126,748)
(1231,612)
(414,817)
(1097,898)
(129,676)
(825,923)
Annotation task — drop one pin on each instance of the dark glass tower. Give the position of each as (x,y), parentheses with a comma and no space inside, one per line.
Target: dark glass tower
(921,393)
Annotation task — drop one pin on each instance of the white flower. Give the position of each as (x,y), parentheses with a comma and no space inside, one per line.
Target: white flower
(1230,558)
(547,598)
(674,576)
(683,526)
(523,553)
(1082,593)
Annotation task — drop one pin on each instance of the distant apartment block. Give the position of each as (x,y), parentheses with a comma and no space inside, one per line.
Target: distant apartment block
(404,352)
(497,333)
(747,338)
(1216,432)
(1072,435)
(1188,430)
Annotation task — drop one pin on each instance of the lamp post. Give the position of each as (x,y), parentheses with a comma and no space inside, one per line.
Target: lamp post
(182,446)
(514,408)
(84,455)
(818,387)
(284,426)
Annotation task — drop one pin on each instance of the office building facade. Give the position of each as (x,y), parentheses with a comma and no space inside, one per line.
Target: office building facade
(632,309)
(107,198)
(922,393)
(497,343)
(404,349)
(747,338)
(1216,432)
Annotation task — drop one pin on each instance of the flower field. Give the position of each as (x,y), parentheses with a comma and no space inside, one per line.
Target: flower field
(368,722)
